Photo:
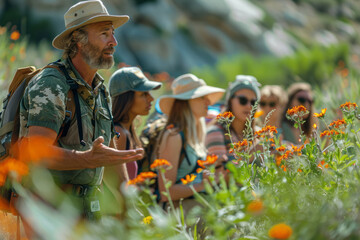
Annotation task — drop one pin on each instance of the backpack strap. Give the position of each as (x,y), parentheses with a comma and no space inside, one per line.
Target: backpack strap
(102,90)
(73,87)
(183,150)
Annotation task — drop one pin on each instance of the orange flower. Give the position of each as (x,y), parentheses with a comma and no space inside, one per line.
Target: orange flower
(322,164)
(348,105)
(15,35)
(199,170)
(225,116)
(281,149)
(159,163)
(12,58)
(188,179)
(331,132)
(147,175)
(297,111)
(255,206)
(210,159)
(244,143)
(142,177)
(280,231)
(320,115)
(337,123)
(278,160)
(325,133)
(268,130)
(299,170)
(283,168)
(296,149)
(132,181)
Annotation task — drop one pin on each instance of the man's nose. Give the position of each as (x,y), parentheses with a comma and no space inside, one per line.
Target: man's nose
(113,41)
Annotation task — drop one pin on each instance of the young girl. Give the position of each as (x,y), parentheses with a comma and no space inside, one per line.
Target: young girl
(129,89)
(183,141)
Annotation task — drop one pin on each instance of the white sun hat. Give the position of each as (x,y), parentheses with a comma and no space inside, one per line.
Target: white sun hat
(187,87)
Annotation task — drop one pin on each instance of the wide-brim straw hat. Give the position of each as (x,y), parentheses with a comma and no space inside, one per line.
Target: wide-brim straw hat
(187,87)
(84,13)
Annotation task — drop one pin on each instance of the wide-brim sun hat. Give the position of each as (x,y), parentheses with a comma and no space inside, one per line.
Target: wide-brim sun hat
(187,87)
(84,13)
(130,79)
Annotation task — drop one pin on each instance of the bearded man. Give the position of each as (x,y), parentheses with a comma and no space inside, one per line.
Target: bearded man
(89,44)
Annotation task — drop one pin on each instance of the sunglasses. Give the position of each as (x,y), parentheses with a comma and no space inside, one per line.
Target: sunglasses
(270,104)
(303,100)
(244,100)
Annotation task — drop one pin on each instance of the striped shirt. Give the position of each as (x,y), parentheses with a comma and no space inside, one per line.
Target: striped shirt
(217,143)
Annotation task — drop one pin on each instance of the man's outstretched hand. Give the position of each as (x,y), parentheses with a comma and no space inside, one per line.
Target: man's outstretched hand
(101,155)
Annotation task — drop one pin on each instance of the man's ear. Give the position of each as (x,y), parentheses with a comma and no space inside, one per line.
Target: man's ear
(79,45)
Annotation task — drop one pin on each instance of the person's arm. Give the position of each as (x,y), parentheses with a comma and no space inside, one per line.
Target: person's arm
(99,155)
(170,148)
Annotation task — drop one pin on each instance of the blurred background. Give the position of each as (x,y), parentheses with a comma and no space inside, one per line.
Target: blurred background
(277,41)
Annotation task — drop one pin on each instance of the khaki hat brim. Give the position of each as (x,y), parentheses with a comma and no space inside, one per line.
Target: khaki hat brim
(117,21)
(215,94)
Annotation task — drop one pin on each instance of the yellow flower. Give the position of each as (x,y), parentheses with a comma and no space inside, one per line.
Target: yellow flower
(147,220)
(280,231)
(320,115)
(188,179)
(258,114)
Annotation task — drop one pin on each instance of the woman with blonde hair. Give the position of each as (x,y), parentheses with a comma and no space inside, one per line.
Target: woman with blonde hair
(273,99)
(183,141)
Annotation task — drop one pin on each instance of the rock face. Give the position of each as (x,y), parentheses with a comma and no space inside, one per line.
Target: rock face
(177,35)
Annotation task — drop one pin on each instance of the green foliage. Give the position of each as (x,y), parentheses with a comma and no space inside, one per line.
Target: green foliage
(315,66)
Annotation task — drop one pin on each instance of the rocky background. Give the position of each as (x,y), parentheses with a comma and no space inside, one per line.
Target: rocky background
(177,35)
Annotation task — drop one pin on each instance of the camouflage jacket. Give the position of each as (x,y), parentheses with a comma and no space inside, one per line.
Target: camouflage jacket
(44,104)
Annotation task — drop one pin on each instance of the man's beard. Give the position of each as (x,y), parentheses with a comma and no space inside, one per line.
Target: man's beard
(93,56)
